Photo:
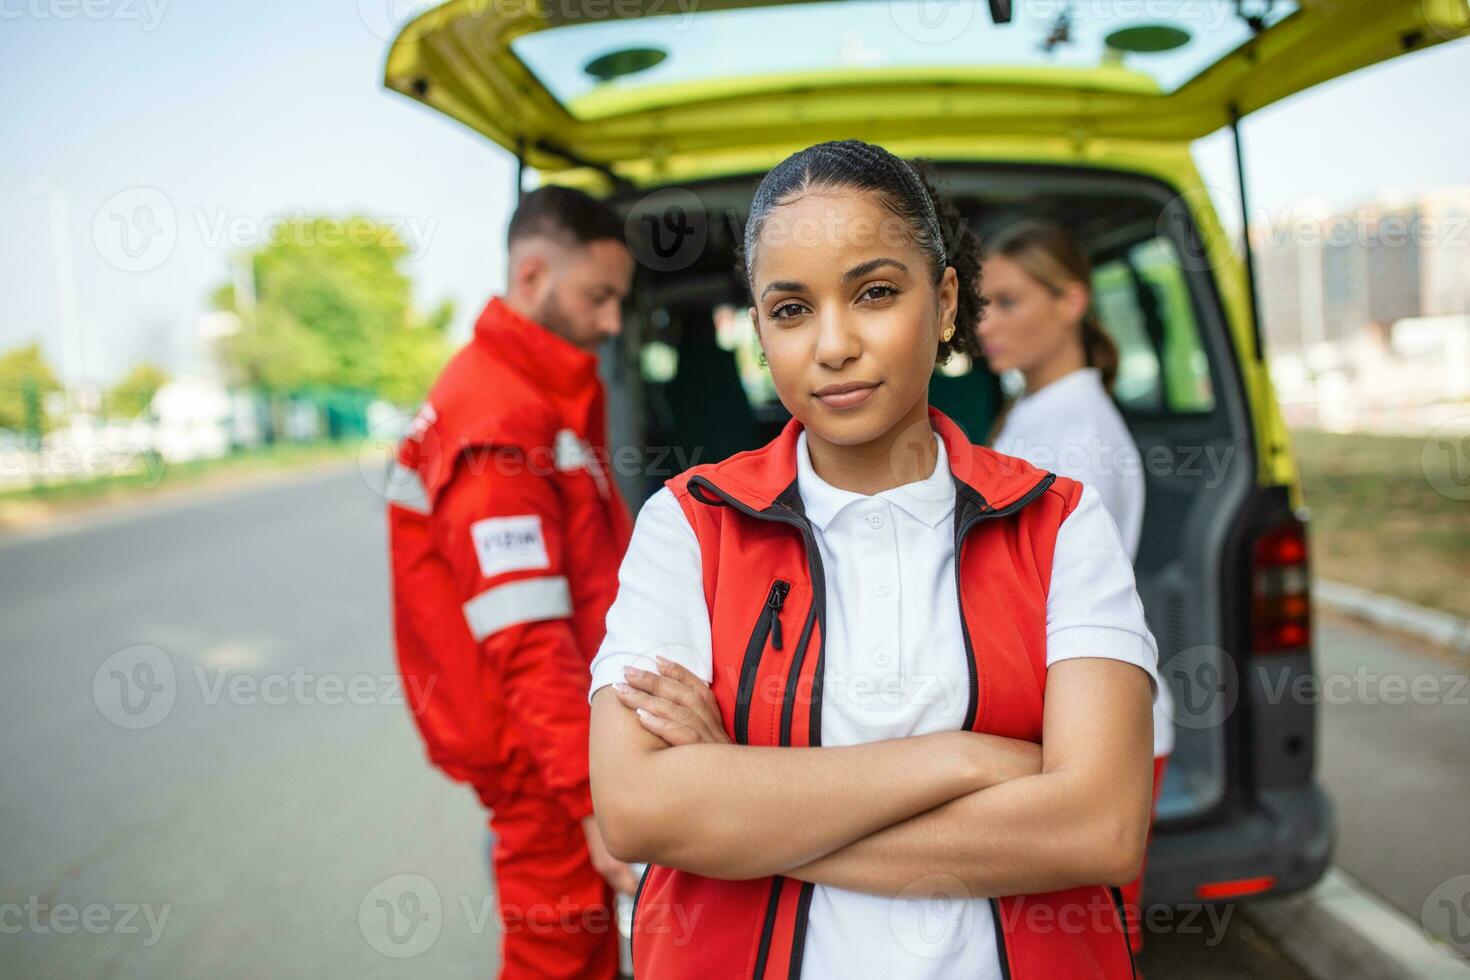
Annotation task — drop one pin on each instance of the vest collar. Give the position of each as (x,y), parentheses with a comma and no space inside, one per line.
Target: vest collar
(761,478)
(552,362)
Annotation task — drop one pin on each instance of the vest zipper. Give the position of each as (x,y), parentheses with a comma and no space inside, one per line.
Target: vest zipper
(767,624)
(818,579)
(969,523)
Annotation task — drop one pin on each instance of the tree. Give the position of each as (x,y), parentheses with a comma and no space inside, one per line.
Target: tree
(26,380)
(131,396)
(334,308)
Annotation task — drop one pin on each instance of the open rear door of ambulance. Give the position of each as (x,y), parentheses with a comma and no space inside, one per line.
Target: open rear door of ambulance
(643,90)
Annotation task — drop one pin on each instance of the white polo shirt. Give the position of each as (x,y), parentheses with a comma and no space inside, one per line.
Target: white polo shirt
(1073,428)
(895,666)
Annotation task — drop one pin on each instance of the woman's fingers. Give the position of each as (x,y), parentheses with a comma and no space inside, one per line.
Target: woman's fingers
(672,733)
(669,698)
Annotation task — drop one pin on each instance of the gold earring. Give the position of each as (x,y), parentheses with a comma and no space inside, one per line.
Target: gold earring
(947,334)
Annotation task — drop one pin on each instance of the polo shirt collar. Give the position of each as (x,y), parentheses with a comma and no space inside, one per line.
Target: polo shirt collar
(930,500)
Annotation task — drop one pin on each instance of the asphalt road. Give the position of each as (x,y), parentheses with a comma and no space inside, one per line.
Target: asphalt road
(207,768)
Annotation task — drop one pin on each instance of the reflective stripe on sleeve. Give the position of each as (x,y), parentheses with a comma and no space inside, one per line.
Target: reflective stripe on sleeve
(405,489)
(522,601)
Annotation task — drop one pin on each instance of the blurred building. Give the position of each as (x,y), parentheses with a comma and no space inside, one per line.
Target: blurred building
(1366,311)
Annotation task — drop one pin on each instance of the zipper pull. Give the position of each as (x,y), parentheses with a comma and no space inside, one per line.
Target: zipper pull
(773,602)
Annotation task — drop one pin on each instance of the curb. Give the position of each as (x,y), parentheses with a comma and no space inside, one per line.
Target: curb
(1437,627)
(1337,929)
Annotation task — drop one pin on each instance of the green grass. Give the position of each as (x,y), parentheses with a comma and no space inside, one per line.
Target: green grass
(1389,514)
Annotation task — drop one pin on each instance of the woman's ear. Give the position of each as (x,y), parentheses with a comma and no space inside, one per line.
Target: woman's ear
(1075,299)
(949,298)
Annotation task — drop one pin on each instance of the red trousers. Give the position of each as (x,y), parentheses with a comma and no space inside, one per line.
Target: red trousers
(1133,891)
(557,915)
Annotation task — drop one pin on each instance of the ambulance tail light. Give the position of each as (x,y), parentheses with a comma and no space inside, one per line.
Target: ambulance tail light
(1281,607)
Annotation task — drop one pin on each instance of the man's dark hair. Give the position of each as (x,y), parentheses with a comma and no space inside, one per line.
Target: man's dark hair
(563,213)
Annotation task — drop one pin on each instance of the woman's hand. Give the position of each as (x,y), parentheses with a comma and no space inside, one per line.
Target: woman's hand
(673,704)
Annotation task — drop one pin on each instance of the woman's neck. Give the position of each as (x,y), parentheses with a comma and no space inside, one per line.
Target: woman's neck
(904,454)
(1065,361)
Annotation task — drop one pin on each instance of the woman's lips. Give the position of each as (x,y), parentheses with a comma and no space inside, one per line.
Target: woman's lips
(848,399)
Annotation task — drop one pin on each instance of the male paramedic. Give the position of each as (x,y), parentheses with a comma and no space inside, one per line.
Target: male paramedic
(507,530)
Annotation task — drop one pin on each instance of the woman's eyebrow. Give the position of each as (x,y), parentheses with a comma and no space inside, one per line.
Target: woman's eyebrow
(857,271)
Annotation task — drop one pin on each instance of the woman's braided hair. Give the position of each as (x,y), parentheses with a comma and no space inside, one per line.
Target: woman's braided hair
(906,190)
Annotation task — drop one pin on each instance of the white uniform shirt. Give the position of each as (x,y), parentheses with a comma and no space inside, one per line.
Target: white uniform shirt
(895,666)
(1073,428)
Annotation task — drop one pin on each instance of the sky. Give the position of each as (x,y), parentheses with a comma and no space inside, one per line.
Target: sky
(226,116)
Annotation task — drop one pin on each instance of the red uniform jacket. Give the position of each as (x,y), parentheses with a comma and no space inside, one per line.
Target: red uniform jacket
(507,530)
(767,645)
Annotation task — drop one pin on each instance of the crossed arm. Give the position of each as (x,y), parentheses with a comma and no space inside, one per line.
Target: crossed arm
(1004,816)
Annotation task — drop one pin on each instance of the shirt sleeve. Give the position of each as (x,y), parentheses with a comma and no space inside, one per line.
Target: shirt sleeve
(499,525)
(660,608)
(1092,605)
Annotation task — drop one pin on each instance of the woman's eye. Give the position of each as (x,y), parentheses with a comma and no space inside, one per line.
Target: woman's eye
(883,292)
(777,315)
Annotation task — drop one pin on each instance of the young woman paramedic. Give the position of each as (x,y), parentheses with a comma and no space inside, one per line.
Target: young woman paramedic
(874,701)
(1040,323)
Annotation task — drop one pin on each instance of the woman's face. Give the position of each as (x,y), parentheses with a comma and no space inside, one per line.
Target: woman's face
(1026,325)
(843,299)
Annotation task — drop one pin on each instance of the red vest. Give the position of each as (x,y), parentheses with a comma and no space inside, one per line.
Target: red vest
(768,669)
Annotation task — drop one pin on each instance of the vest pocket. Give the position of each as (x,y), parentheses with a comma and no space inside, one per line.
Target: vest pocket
(767,625)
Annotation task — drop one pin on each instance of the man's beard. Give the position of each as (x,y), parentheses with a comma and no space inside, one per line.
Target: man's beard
(550,315)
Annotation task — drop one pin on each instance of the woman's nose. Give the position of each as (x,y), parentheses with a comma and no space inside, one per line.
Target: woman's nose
(837,342)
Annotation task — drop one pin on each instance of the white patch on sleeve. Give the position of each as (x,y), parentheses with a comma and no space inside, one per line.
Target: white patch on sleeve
(508,544)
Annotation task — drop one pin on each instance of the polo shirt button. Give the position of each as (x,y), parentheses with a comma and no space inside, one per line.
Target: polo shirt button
(881,659)
(875,520)
(882,589)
